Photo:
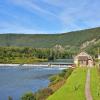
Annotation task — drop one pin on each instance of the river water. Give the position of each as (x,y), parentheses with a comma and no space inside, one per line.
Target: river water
(15,82)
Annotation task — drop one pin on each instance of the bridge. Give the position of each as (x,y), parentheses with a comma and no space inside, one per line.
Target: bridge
(61,63)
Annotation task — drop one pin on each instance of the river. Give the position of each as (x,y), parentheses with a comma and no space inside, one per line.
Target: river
(15,82)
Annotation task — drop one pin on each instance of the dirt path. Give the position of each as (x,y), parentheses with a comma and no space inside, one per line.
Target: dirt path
(87,87)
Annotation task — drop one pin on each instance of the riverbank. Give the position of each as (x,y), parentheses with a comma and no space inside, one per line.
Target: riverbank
(16,81)
(56,82)
(73,88)
(78,87)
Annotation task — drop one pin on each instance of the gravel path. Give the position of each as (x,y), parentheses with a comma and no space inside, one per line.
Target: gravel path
(87,87)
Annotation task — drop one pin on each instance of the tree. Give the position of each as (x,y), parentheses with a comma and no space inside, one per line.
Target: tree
(10,98)
(28,96)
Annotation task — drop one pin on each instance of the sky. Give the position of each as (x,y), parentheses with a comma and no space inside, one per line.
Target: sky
(48,16)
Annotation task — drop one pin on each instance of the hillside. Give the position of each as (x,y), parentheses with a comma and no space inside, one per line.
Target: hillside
(76,38)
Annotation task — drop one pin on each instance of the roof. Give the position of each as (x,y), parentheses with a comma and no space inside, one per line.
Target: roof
(83,54)
(82,58)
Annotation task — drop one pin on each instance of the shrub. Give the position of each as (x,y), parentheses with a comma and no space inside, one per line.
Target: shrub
(10,98)
(69,71)
(43,93)
(28,96)
(55,79)
(52,78)
(62,74)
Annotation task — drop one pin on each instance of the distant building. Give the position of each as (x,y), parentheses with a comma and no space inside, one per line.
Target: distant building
(83,59)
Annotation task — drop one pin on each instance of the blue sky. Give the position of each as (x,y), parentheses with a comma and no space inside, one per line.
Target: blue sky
(48,16)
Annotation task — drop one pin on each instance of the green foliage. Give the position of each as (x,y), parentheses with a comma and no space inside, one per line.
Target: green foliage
(64,74)
(30,48)
(22,55)
(68,73)
(28,96)
(52,78)
(49,40)
(43,93)
(93,49)
(10,98)
(30,55)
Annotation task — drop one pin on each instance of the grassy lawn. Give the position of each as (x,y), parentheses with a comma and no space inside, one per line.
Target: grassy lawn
(74,87)
(95,84)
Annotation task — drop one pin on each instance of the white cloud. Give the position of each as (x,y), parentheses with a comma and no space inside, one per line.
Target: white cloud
(57,3)
(73,14)
(30,5)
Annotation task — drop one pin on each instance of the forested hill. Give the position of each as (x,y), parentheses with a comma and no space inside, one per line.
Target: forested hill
(76,38)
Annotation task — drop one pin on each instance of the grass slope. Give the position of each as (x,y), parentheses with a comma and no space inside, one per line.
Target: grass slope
(49,40)
(74,87)
(95,84)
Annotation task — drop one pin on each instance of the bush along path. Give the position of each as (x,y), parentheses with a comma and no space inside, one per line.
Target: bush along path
(87,87)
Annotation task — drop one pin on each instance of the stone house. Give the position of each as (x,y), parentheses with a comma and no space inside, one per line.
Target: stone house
(83,59)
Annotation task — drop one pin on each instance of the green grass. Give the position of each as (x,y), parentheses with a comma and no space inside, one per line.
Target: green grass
(95,84)
(74,87)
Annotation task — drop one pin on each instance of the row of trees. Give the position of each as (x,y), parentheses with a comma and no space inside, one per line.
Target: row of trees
(31,55)
(8,54)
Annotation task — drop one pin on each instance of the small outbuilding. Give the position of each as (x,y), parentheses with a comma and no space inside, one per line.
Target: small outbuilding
(84,59)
